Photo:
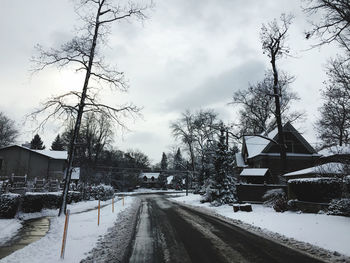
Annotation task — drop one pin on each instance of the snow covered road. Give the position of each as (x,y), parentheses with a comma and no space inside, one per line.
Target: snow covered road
(168,232)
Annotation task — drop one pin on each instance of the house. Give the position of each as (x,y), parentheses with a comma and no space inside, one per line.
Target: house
(17,160)
(150,180)
(260,152)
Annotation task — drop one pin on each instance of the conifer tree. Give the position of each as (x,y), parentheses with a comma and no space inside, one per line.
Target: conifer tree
(221,186)
(164,162)
(36,143)
(57,144)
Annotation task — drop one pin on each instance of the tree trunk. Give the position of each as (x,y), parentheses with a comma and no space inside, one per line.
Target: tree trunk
(281,140)
(71,150)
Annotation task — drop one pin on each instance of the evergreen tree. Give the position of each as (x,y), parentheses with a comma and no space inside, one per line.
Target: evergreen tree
(57,144)
(36,143)
(164,162)
(178,161)
(221,186)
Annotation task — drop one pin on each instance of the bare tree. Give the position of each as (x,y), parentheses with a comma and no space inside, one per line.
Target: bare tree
(333,23)
(257,113)
(83,53)
(273,38)
(8,131)
(183,129)
(334,123)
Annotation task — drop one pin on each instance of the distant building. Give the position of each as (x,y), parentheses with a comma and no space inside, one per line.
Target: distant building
(150,180)
(41,164)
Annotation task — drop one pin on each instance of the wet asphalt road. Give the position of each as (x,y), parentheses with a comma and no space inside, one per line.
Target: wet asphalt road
(169,232)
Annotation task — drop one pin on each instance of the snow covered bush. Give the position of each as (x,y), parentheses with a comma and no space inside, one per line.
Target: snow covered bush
(9,205)
(339,207)
(277,199)
(74,196)
(101,192)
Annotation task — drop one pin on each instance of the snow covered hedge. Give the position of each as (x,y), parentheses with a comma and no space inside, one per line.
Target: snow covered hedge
(100,192)
(339,207)
(322,189)
(9,205)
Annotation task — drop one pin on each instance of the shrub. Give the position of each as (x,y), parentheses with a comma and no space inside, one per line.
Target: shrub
(339,207)
(32,202)
(9,205)
(74,196)
(101,192)
(277,199)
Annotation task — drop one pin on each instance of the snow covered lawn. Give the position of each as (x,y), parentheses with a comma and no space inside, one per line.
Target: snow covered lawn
(325,231)
(83,234)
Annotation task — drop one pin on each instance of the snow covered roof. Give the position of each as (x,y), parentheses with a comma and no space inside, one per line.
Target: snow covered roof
(169,179)
(240,160)
(328,168)
(255,144)
(150,175)
(254,172)
(335,150)
(59,155)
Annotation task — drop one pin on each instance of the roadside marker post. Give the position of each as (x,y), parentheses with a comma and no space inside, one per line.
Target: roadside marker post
(64,239)
(123,200)
(98,216)
(113,205)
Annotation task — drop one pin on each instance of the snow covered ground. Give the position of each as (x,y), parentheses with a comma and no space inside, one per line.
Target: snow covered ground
(83,233)
(147,190)
(8,228)
(325,231)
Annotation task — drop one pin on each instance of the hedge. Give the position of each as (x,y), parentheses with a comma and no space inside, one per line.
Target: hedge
(9,204)
(322,189)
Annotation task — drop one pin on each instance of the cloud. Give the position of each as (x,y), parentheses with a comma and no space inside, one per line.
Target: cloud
(217,89)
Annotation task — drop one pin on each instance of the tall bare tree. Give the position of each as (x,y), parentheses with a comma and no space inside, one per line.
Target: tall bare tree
(83,53)
(273,38)
(8,131)
(257,106)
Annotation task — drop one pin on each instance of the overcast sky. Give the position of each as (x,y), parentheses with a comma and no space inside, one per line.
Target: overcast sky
(189,54)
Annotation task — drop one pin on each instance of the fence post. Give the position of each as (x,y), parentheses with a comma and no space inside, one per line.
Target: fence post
(113,205)
(98,217)
(63,248)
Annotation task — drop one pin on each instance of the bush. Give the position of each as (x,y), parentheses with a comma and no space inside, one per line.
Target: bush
(74,196)
(339,207)
(32,202)
(101,192)
(9,205)
(277,199)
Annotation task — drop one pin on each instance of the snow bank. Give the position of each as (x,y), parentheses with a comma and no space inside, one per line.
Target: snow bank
(83,234)
(325,231)
(8,229)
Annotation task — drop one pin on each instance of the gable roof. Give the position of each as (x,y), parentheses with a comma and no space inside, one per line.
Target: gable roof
(256,145)
(150,175)
(57,155)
